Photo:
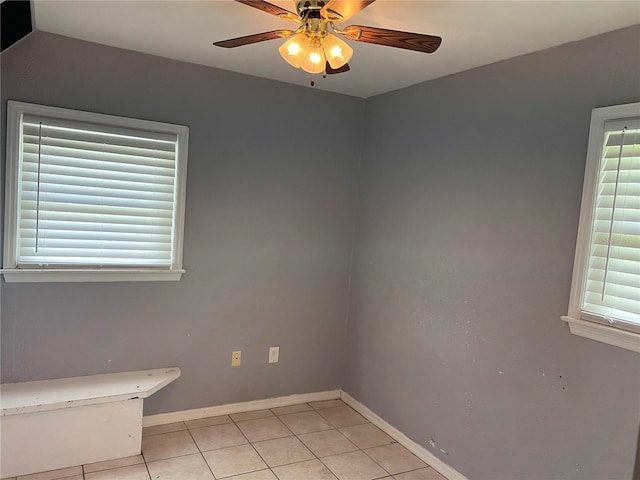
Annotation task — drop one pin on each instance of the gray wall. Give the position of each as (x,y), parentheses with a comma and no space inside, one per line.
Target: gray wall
(468,212)
(269,223)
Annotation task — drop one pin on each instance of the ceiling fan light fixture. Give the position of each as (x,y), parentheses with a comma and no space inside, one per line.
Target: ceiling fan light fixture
(313,48)
(295,49)
(314,60)
(338,52)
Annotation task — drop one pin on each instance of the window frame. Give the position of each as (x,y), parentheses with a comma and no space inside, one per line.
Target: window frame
(586,325)
(11,271)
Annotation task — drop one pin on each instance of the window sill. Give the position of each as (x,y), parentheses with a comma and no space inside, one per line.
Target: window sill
(98,275)
(605,334)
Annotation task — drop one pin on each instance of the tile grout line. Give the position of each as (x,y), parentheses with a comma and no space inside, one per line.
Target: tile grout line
(263,460)
(359,449)
(199,451)
(374,461)
(145,465)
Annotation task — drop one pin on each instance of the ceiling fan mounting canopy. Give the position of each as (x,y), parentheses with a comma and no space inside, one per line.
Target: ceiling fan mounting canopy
(314,48)
(314,9)
(303,5)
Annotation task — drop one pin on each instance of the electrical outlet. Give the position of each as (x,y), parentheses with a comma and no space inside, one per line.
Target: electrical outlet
(274,354)
(236,358)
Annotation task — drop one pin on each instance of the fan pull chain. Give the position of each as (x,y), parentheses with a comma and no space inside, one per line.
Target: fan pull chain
(38,186)
(613,212)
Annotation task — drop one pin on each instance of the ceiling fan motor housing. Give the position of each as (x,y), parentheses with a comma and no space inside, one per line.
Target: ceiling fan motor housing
(312,22)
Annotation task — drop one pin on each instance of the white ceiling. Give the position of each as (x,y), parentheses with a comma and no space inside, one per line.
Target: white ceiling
(474,33)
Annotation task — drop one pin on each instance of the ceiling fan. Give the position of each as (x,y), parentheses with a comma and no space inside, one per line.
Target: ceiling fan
(314,48)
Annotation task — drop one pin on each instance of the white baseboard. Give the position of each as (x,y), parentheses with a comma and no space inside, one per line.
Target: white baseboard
(418,450)
(197,413)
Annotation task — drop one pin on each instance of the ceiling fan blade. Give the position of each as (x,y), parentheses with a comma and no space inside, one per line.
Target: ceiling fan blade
(249,39)
(331,71)
(393,38)
(341,10)
(271,9)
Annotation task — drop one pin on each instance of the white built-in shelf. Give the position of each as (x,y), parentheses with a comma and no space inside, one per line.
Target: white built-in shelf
(44,395)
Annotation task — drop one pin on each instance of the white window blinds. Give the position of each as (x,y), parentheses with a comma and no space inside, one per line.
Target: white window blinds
(92,197)
(95,195)
(612,283)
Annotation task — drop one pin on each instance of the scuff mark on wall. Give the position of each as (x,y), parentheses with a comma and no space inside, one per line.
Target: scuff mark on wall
(469,405)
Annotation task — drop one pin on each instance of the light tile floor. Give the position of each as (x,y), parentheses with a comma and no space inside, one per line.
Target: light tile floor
(315,441)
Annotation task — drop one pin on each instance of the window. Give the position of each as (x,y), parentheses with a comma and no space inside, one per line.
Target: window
(605,291)
(92,197)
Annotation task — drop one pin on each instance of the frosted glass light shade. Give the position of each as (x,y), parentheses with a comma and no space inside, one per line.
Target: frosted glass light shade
(314,60)
(338,53)
(295,49)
